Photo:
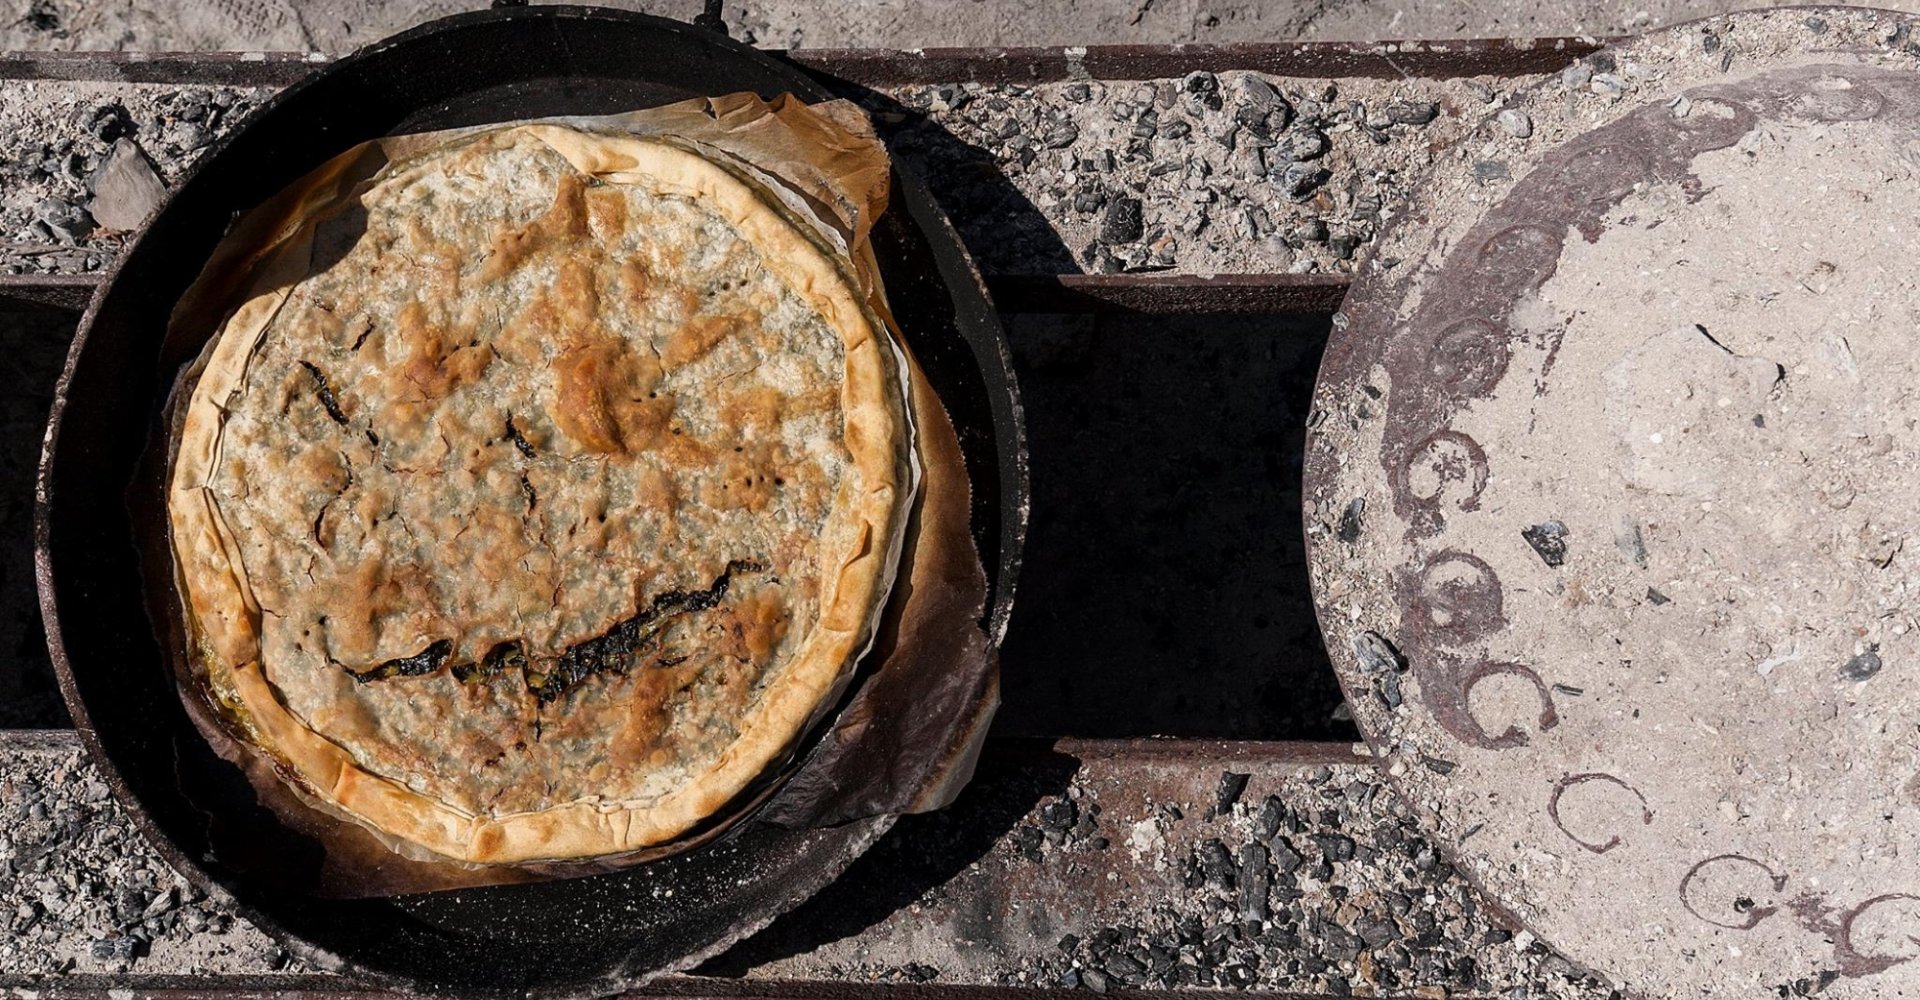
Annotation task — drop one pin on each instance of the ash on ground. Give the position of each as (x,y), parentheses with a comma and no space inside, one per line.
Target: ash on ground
(1323,885)
(1235,172)
(1105,874)
(81,892)
(61,147)
(1230,172)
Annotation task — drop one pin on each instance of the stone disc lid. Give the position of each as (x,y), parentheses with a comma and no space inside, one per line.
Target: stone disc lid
(1614,507)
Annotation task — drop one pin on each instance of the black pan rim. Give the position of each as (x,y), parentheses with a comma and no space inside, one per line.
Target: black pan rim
(911,195)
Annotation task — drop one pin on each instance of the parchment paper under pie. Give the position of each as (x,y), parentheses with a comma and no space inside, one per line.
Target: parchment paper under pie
(1613,509)
(907,729)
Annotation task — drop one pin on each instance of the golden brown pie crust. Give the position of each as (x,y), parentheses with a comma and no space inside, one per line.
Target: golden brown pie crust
(431,759)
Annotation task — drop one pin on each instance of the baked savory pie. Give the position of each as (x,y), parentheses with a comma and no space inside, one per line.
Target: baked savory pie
(538,494)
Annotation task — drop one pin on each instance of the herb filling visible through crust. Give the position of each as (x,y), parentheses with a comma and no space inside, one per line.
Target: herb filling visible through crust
(541,484)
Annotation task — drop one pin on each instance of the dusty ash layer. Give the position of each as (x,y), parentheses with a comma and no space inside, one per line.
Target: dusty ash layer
(596,398)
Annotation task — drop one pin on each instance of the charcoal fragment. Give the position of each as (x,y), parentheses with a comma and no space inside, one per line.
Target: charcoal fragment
(1549,539)
(1232,784)
(1862,666)
(1285,857)
(1299,180)
(1349,531)
(1272,813)
(1305,143)
(1377,931)
(1027,841)
(110,122)
(1335,846)
(1215,864)
(1412,112)
(1377,655)
(1387,687)
(1061,135)
(1123,222)
(1256,882)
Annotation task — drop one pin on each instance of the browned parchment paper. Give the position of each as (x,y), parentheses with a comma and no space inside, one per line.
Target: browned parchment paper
(911,717)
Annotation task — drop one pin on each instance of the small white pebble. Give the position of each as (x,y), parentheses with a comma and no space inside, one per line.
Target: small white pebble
(1516,122)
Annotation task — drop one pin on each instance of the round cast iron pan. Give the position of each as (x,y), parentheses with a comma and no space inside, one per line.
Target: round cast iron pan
(589,935)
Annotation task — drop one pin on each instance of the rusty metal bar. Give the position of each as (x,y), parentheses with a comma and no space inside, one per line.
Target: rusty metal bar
(1267,753)
(714,988)
(222,69)
(678,987)
(63,291)
(1166,295)
(891,67)
(1380,60)
(1147,294)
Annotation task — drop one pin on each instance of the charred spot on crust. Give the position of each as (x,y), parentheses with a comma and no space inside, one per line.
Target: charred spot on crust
(499,659)
(325,392)
(519,440)
(527,490)
(424,662)
(609,652)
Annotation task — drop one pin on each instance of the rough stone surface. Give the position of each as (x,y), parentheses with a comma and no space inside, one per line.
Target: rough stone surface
(81,892)
(1626,422)
(1041,875)
(1254,174)
(341,25)
(126,191)
(57,143)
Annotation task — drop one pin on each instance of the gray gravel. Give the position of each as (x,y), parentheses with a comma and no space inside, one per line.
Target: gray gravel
(1237,172)
(81,892)
(1314,882)
(1324,885)
(1311,880)
(1204,174)
(55,141)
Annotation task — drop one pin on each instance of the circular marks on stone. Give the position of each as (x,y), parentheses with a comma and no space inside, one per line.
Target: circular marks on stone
(1592,806)
(1468,358)
(1610,311)
(1485,705)
(1595,177)
(1522,255)
(1456,600)
(1445,470)
(1502,696)
(1835,98)
(1732,891)
(1880,933)
(1715,118)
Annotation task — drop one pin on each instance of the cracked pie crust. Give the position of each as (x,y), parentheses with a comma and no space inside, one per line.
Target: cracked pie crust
(538,494)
